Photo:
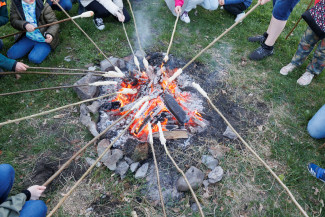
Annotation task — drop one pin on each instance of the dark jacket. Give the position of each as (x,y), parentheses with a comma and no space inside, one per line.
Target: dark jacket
(44,15)
(3,12)
(315,18)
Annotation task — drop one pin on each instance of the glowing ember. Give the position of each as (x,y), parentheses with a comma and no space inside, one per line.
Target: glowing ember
(174,108)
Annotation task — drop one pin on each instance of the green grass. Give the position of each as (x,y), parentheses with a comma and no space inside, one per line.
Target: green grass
(290,105)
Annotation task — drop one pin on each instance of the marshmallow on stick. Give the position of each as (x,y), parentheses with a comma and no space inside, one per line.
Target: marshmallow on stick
(113,74)
(175,75)
(150,138)
(199,88)
(166,58)
(118,70)
(136,61)
(84,15)
(103,83)
(161,134)
(145,63)
(140,102)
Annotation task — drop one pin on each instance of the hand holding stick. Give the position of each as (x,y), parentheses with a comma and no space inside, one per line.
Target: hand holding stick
(31,29)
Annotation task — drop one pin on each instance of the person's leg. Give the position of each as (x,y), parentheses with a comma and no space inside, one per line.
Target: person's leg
(1,44)
(306,45)
(21,48)
(81,8)
(99,10)
(65,4)
(316,125)
(49,2)
(40,51)
(281,12)
(34,208)
(126,15)
(192,4)
(318,62)
(235,9)
(7,178)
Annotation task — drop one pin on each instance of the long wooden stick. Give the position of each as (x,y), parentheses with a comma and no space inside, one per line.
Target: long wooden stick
(298,21)
(41,89)
(66,164)
(163,142)
(88,171)
(172,38)
(157,170)
(48,73)
(135,26)
(100,51)
(204,94)
(220,36)
(54,110)
(65,69)
(39,27)
(127,37)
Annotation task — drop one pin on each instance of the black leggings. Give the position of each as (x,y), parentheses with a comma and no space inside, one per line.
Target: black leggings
(235,9)
(100,11)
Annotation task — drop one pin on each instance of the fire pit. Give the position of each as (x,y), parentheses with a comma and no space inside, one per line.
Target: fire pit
(173,104)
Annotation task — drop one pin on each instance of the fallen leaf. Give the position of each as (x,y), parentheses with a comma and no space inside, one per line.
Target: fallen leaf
(316,190)
(223,92)
(230,193)
(47,106)
(322,202)
(260,128)
(176,210)
(261,208)
(281,177)
(58,116)
(0,152)
(221,208)
(322,146)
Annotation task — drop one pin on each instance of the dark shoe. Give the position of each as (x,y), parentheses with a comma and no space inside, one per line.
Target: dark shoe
(262,52)
(99,23)
(258,38)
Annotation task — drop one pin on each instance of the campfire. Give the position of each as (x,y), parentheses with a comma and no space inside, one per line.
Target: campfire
(173,104)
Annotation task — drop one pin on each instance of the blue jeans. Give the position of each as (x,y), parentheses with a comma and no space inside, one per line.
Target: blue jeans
(66,5)
(38,51)
(283,8)
(1,44)
(32,208)
(316,125)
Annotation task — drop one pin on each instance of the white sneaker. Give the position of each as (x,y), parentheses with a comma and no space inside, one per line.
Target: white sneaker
(288,68)
(239,16)
(305,79)
(185,18)
(99,23)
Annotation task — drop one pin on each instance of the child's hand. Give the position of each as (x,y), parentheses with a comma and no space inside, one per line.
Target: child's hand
(49,38)
(221,2)
(120,17)
(178,10)
(54,2)
(36,191)
(30,28)
(20,67)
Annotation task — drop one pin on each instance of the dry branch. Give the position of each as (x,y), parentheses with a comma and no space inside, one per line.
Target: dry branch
(251,149)
(171,39)
(135,26)
(163,142)
(83,149)
(65,69)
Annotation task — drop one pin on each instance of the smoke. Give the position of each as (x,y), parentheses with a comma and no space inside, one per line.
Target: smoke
(143,21)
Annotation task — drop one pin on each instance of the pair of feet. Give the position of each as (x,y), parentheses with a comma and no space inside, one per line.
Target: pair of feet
(186,19)
(304,80)
(263,51)
(316,171)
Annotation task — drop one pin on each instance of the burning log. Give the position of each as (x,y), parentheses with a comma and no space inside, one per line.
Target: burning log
(111,105)
(175,109)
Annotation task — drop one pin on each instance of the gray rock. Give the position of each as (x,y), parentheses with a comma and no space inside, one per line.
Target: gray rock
(86,92)
(93,108)
(206,183)
(102,145)
(194,207)
(107,66)
(134,166)
(112,157)
(116,155)
(128,160)
(92,127)
(229,133)
(91,161)
(122,168)
(209,161)
(142,171)
(215,175)
(195,178)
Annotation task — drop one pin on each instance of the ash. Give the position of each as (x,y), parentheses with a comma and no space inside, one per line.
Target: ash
(176,105)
